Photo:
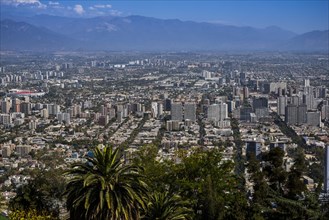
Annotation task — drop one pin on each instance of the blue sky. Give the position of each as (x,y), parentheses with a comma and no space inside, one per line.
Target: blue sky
(299,16)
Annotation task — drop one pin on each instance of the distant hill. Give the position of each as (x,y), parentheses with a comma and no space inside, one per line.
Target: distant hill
(47,32)
(24,36)
(310,41)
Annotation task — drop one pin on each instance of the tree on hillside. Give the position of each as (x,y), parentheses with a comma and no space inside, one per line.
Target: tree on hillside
(274,170)
(166,206)
(42,193)
(105,188)
(208,181)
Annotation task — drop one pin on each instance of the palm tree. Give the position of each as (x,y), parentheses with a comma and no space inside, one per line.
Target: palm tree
(163,206)
(105,188)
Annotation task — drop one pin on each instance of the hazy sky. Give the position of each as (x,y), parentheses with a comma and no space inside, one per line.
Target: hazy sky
(299,16)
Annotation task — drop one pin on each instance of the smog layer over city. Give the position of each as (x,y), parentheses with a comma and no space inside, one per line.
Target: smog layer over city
(164,110)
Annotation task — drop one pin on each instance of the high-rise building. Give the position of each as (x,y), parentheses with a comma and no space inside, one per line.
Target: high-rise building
(5,119)
(5,105)
(236,91)
(243,78)
(119,116)
(261,102)
(154,109)
(245,93)
(223,111)
(160,110)
(186,111)
(308,99)
(64,117)
(177,111)
(103,120)
(261,112)
(16,105)
(326,170)
(33,125)
(44,113)
(6,151)
(260,107)
(291,114)
(53,109)
(23,150)
(281,105)
(167,105)
(26,108)
(301,114)
(230,106)
(111,113)
(325,112)
(306,82)
(322,92)
(213,113)
(313,118)
(190,111)
(295,100)
(245,113)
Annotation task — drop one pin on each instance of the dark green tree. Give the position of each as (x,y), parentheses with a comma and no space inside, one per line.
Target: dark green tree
(105,188)
(274,170)
(158,174)
(165,206)
(210,184)
(295,186)
(42,193)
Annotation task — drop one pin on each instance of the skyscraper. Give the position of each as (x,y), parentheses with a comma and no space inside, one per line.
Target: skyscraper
(223,111)
(308,99)
(261,102)
(154,109)
(325,112)
(190,111)
(245,93)
(281,105)
(245,113)
(291,114)
(26,108)
(177,111)
(301,114)
(313,118)
(160,109)
(213,113)
(5,105)
(16,105)
(167,104)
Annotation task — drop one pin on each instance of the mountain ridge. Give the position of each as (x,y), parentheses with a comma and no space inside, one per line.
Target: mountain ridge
(146,33)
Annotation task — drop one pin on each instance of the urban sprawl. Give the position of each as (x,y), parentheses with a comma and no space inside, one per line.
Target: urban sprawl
(63,104)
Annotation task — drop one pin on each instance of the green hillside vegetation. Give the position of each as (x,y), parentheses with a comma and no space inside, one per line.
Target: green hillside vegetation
(195,184)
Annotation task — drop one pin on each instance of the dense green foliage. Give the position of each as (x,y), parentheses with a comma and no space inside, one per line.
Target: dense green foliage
(194,184)
(200,177)
(42,194)
(104,188)
(279,194)
(165,206)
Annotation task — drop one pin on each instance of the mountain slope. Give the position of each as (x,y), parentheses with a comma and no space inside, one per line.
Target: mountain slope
(314,40)
(24,36)
(148,34)
(145,33)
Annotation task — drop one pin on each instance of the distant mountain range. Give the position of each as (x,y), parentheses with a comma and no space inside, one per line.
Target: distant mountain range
(49,33)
